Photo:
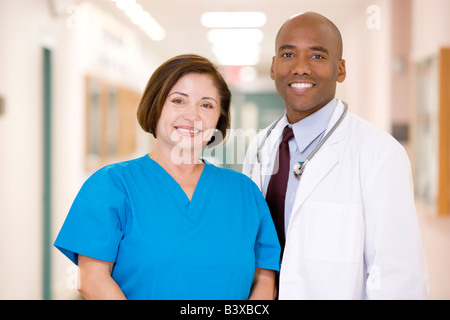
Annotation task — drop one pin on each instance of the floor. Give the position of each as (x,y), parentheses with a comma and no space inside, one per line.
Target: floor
(436,239)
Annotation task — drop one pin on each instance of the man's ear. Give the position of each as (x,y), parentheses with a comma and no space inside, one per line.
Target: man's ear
(272,70)
(342,71)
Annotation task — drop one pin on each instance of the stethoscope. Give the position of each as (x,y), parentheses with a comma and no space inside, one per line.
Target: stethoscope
(299,167)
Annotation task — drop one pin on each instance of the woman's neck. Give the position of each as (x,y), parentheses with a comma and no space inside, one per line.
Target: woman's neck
(177,158)
(178,162)
(186,175)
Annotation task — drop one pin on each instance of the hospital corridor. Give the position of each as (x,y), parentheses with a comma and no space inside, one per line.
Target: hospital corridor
(73,72)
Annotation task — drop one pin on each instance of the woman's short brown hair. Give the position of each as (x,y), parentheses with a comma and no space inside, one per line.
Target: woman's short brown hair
(163,80)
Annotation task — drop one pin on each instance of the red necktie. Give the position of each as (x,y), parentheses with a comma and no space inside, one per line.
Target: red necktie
(276,190)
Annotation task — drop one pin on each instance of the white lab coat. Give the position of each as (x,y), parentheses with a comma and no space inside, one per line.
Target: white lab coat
(353,231)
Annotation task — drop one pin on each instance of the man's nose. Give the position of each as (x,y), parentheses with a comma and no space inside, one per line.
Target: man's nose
(302,66)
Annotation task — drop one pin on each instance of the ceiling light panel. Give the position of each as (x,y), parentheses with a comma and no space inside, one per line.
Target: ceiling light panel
(233,19)
(237,55)
(141,18)
(235,36)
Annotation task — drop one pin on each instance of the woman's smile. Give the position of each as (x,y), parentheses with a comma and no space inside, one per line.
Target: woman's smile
(188,131)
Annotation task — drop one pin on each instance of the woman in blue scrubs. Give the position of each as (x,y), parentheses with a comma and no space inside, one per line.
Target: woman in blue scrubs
(169,225)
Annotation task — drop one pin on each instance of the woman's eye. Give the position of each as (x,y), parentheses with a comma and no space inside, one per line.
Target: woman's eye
(207,106)
(177,101)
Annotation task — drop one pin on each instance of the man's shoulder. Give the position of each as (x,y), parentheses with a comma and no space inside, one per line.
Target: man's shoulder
(371,136)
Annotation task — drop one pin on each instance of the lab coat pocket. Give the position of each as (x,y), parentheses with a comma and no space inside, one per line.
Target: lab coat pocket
(334,232)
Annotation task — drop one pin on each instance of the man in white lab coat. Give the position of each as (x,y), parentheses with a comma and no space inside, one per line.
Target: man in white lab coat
(350,224)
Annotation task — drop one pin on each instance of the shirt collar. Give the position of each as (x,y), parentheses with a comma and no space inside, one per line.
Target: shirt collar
(311,127)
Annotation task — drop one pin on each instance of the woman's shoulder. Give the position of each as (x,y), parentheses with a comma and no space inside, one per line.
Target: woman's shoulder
(118,167)
(115,172)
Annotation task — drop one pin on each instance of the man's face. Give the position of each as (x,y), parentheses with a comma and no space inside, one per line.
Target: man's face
(306,66)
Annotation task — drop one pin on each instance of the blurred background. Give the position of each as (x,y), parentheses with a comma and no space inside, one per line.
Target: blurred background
(72,73)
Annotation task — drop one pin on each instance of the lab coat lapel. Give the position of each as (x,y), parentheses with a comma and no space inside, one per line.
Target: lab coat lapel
(324,161)
(314,173)
(270,148)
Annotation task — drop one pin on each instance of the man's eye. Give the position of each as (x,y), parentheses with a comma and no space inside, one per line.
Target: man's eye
(317,56)
(287,55)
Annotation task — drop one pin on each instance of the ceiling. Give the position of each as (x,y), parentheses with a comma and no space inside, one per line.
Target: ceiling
(185,33)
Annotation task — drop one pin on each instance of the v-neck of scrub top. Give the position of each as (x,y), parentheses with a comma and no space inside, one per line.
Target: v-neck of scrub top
(193,207)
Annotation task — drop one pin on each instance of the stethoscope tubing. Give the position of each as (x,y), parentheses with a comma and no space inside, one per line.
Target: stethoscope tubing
(299,169)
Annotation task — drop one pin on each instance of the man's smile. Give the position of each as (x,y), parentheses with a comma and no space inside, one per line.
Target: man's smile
(301,86)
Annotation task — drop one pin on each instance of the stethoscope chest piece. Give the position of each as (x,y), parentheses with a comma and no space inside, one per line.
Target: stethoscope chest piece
(298,169)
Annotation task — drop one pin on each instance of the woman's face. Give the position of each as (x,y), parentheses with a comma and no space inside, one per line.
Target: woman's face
(190,114)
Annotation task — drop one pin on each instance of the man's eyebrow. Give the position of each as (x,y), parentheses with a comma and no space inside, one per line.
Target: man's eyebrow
(313,48)
(286,47)
(320,48)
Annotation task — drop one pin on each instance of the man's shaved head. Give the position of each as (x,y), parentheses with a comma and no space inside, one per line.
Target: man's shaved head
(318,19)
(307,64)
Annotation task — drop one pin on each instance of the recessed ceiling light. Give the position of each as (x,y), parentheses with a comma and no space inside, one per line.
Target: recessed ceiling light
(235,36)
(237,55)
(233,19)
(240,47)
(141,18)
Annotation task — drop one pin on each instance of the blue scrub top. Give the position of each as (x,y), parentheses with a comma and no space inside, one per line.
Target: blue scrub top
(164,246)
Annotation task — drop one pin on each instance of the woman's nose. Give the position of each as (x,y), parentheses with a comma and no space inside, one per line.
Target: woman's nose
(192,113)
